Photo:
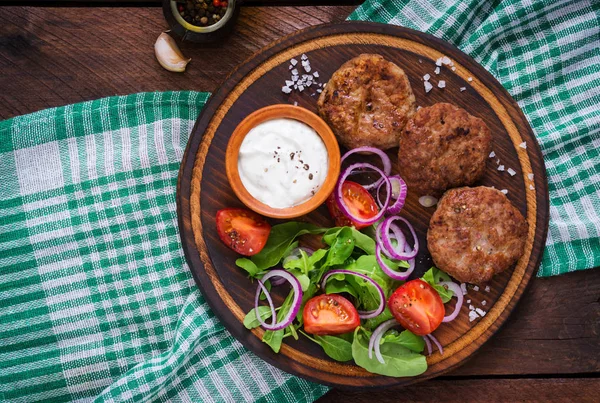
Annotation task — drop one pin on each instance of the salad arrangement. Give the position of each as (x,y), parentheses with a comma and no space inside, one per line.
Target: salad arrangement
(351,296)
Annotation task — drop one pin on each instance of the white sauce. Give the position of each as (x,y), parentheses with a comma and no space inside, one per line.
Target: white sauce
(282,162)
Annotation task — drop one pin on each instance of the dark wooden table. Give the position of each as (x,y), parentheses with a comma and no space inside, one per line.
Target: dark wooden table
(548,350)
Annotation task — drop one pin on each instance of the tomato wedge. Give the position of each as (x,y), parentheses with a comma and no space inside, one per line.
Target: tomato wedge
(329,314)
(417,306)
(359,201)
(242,230)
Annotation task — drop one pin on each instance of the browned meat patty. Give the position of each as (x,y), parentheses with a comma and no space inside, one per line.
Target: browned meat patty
(367,102)
(476,233)
(443,147)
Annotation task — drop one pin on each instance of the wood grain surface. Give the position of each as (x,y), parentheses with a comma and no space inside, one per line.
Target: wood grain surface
(49,57)
(202,188)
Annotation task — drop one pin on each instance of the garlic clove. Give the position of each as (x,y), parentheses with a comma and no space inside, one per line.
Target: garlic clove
(168,54)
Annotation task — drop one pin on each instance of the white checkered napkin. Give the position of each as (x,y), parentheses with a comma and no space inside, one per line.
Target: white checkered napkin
(547,55)
(96,300)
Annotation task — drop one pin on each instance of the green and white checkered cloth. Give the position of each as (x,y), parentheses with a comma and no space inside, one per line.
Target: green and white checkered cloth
(547,55)
(96,301)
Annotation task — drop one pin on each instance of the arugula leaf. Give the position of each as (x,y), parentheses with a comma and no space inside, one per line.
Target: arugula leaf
(250,320)
(361,241)
(306,263)
(433,276)
(405,338)
(341,247)
(335,347)
(280,239)
(372,323)
(337,287)
(249,266)
(273,339)
(399,360)
(368,297)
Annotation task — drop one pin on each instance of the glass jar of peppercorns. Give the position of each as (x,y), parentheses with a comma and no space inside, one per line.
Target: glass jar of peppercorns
(200,20)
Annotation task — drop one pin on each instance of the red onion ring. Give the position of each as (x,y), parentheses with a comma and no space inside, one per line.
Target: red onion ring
(340,198)
(388,270)
(385,160)
(262,287)
(427,343)
(399,196)
(296,302)
(374,342)
(455,288)
(361,314)
(436,342)
(397,234)
(387,243)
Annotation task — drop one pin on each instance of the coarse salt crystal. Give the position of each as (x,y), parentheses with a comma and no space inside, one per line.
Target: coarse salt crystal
(419,107)
(303,57)
(312,95)
(294,78)
(523,145)
(530,176)
(286,90)
(309,83)
(481,312)
(305,62)
(420,60)
(307,68)
(498,161)
(531,187)
(511,171)
(492,154)
(446,60)
(463,89)
(442,84)
(300,88)
(470,79)
(468,301)
(295,86)
(437,70)
(471,307)
(319,90)
(428,86)
(487,288)
(295,72)
(463,288)
(453,68)
(505,191)
(295,103)
(484,302)
(426,77)
(293,62)
(501,168)
(438,62)
(290,67)
(476,288)
(472,316)
(289,82)
(316,74)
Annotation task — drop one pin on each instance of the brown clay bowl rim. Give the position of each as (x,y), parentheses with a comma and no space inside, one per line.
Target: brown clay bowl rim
(276,112)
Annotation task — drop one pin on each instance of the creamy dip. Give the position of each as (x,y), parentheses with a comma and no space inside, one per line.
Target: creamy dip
(282,162)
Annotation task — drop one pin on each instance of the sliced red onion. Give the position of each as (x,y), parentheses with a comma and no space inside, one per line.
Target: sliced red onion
(296,302)
(262,287)
(388,270)
(428,344)
(436,342)
(387,242)
(375,341)
(396,234)
(428,201)
(455,288)
(399,192)
(361,314)
(339,197)
(385,160)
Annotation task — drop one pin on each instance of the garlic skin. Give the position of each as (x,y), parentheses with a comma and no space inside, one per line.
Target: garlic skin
(168,54)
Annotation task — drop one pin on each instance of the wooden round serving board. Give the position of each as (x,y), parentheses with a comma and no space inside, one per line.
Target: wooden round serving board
(203,187)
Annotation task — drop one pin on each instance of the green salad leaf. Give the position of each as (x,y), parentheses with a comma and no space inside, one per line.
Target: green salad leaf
(405,338)
(250,320)
(334,286)
(399,360)
(280,239)
(433,276)
(362,241)
(335,347)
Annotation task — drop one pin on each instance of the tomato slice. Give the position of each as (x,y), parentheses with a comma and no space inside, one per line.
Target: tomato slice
(242,230)
(329,314)
(359,201)
(417,306)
